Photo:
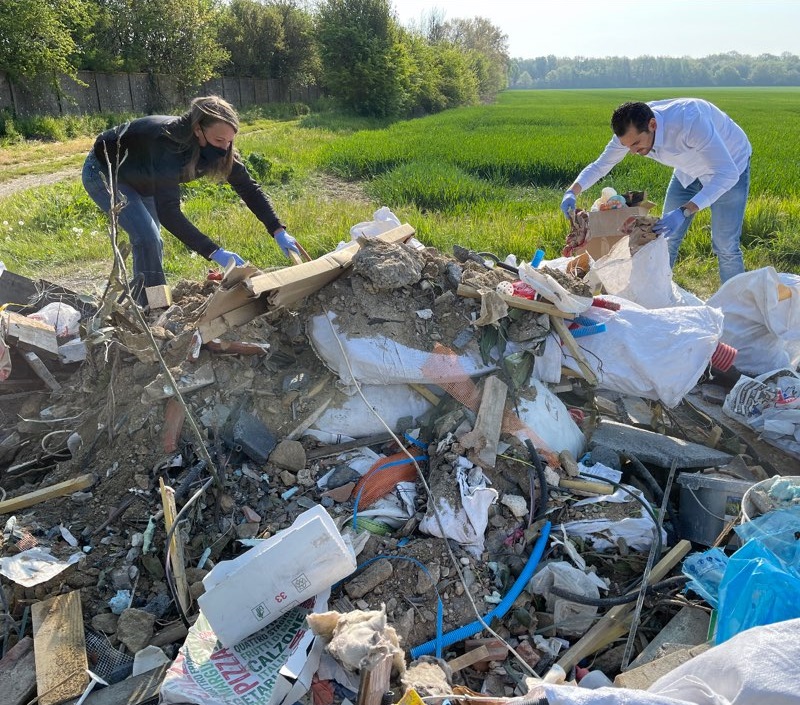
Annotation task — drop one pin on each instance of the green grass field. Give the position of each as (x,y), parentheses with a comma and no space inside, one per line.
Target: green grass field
(487,177)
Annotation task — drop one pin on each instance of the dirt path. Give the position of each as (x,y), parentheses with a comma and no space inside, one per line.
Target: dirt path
(9,188)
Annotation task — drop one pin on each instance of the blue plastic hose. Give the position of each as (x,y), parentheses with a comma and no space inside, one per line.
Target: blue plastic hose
(499,610)
(588,330)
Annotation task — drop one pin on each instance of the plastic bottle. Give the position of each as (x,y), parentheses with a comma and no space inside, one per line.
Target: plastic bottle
(595,679)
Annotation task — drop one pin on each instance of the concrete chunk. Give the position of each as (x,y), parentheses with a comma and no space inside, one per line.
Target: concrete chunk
(689,628)
(655,448)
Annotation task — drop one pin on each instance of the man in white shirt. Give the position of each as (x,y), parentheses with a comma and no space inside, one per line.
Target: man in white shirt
(710,155)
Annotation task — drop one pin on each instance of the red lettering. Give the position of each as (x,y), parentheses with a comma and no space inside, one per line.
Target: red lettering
(280,597)
(242,688)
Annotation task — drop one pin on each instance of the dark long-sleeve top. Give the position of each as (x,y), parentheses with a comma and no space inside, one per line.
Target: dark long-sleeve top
(155,166)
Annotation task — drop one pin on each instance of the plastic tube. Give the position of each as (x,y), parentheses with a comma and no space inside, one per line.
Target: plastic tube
(499,611)
(588,330)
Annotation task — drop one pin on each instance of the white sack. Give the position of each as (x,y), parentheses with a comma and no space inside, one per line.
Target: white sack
(381,360)
(573,618)
(349,416)
(658,354)
(548,417)
(645,278)
(756,667)
(764,330)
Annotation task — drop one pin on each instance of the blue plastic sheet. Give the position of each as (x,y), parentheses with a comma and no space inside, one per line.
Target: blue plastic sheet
(760,583)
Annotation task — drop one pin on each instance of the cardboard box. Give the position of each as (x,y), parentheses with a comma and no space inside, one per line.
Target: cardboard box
(604,229)
(244,595)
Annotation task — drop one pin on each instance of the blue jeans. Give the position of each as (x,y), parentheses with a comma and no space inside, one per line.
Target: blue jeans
(137,217)
(727,216)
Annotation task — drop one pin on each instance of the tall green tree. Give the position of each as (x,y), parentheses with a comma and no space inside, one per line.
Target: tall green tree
(173,37)
(363,64)
(252,33)
(479,35)
(38,37)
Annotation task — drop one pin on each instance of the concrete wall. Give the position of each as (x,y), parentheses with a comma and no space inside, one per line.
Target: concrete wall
(138,93)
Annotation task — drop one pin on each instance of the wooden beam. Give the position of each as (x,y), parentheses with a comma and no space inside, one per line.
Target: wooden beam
(41,495)
(132,691)
(18,673)
(36,364)
(60,648)
(375,677)
(335,449)
(485,435)
(425,393)
(176,545)
(29,334)
(569,342)
(614,623)
(469,658)
(517,302)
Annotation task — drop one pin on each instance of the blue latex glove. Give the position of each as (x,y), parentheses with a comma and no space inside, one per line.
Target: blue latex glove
(286,242)
(669,223)
(568,203)
(222,257)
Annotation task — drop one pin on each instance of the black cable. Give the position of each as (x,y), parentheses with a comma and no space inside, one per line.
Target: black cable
(638,469)
(537,463)
(676,581)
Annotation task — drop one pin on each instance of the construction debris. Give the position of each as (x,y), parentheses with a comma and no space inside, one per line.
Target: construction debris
(395,431)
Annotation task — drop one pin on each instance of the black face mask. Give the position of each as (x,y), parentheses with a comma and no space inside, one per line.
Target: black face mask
(209,152)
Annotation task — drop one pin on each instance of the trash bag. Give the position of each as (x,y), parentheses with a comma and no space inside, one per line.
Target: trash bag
(762,319)
(63,317)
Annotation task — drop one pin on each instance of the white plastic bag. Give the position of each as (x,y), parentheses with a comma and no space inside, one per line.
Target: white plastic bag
(382,221)
(645,278)
(548,287)
(63,317)
(762,326)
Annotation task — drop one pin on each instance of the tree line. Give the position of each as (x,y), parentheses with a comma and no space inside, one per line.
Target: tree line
(356,50)
(731,69)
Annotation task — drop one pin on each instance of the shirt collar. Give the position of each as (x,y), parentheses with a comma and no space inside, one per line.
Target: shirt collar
(658,142)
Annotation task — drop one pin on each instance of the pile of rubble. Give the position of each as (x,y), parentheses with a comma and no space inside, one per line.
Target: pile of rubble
(396,387)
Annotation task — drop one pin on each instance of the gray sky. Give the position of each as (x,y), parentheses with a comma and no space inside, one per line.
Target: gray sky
(629,27)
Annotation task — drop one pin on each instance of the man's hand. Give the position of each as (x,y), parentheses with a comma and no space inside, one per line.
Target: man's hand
(669,223)
(223,257)
(286,242)
(568,203)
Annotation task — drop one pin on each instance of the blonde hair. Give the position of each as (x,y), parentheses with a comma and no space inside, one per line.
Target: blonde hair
(204,111)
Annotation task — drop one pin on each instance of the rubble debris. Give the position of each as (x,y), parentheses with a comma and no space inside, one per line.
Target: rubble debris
(18,673)
(272,424)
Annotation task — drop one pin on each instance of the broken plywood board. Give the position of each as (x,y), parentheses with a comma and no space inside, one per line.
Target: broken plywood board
(60,648)
(29,334)
(36,364)
(245,293)
(18,673)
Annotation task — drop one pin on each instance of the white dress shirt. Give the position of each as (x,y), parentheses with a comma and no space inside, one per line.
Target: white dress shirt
(693,136)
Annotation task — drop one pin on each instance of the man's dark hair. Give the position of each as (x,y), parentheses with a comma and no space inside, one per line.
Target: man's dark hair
(627,114)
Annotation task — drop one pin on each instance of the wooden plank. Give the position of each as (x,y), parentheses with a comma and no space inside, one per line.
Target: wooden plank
(60,648)
(158,296)
(337,448)
(43,494)
(469,658)
(35,363)
(591,488)
(375,676)
(29,334)
(132,691)
(18,673)
(176,545)
(614,623)
(517,302)
(569,342)
(425,393)
(486,433)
